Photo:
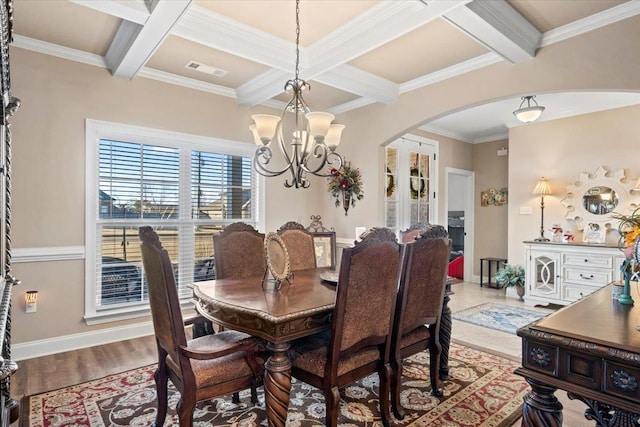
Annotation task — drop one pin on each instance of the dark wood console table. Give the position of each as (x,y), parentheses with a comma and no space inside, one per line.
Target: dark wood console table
(591,349)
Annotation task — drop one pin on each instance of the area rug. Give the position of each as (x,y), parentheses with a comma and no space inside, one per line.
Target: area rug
(503,318)
(482,392)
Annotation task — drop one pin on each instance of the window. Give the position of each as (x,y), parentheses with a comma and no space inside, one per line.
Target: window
(186,187)
(410,183)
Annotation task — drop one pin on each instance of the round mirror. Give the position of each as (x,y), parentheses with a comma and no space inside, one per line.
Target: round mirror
(600,200)
(277,258)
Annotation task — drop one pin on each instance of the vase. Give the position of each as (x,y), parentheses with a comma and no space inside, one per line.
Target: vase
(625,298)
(520,291)
(346,201)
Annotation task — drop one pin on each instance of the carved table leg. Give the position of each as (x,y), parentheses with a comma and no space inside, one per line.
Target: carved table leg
(605,415)
(445,335)
(541,408)
(277,384)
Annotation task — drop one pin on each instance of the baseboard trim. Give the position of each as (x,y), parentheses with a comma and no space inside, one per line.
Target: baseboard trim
(38,348)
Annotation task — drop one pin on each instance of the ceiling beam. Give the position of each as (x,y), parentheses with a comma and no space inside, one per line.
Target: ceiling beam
(499,27)
(326,60)
(134,44)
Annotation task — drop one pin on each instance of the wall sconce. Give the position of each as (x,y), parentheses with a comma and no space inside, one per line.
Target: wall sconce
(31,299)
(542,189)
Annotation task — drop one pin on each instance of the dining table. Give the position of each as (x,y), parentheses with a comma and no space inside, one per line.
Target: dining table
(280,315)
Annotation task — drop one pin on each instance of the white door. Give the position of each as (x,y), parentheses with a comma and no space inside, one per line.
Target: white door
(410,186)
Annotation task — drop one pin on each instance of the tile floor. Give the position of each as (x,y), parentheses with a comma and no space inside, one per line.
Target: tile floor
(501,343)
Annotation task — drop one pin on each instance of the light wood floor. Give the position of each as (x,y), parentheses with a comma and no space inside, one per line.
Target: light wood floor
(60,370)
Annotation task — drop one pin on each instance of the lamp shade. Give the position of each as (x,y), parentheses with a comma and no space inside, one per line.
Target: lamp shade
(319,123)
(530,113)
(333,136)
(542,188)
(266,125)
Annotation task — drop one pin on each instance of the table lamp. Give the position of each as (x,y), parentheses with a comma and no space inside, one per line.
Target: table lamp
(542,189)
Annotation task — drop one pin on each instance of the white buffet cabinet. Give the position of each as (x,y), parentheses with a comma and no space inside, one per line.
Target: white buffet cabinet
(561,273)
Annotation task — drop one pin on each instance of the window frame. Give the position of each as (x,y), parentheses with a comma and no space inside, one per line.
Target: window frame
(96,130)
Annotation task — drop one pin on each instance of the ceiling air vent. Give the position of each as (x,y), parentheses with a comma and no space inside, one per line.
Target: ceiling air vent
(206,69)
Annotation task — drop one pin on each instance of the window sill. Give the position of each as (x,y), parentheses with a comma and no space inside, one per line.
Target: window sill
(126,313)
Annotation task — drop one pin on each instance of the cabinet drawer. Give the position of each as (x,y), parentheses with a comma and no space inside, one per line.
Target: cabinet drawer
(584,276)
(588,260)
(573,293)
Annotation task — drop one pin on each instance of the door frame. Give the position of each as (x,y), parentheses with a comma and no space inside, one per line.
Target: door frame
(469,215)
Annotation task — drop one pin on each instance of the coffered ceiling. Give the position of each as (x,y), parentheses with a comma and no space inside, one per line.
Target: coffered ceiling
(353,52)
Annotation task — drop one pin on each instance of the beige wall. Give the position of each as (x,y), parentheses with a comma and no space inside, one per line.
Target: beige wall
(559,150)
(58,95)
(491,171)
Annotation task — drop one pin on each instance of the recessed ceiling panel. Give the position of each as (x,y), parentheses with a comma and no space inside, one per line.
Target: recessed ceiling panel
(175,53)
(278,17)
(66,24)
(321,97)
(432,47)
(546,15)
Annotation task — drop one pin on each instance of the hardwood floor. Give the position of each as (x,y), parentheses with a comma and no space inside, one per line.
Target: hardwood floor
(52,372)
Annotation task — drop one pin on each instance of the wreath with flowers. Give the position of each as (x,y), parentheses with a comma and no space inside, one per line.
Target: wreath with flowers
(346,183)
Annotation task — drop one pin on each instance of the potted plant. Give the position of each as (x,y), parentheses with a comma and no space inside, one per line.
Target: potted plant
(511,276)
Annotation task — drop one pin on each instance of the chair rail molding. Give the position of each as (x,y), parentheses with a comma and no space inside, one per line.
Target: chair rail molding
(52,253)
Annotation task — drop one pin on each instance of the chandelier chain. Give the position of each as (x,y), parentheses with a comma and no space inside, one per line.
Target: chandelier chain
(297,38)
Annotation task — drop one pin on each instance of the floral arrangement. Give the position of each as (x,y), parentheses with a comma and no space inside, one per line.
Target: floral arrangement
(629,229)
(346,183)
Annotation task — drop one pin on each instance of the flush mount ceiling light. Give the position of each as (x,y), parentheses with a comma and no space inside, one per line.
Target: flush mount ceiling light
(314,137)
(530,113)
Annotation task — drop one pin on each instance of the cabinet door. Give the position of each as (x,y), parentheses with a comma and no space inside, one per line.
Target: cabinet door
(544,278)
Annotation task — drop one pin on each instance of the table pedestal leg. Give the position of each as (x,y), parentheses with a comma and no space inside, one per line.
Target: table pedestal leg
(277,384)
(541,407)
(445,336)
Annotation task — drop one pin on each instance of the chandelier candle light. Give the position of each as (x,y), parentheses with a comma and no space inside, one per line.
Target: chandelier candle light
(530,113)
(314,137)
(542,189)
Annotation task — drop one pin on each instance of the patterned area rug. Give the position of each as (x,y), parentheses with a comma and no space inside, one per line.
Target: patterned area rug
(482,391)
(503,318)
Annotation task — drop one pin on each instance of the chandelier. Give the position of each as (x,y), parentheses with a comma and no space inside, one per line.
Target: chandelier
(314,138)
(529,113)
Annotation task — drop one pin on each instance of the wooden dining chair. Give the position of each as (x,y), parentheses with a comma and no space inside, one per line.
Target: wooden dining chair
(239,251)
(416,326)
(299,243)
(359,342)
(412,233)
(201,368)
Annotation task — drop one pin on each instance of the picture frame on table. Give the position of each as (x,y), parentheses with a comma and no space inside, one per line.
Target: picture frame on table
(594,233)
(324,244)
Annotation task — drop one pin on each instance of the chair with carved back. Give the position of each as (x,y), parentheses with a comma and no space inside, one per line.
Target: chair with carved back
(412,233)
(359,342)
(201,368)
(239,251)
(419,306)
(299,243)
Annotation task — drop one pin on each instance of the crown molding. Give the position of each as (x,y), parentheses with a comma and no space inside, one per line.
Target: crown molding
(447,133)
(452,71)
(58,51)
(175,79)
(593,22)
(491,138)
(351,105)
